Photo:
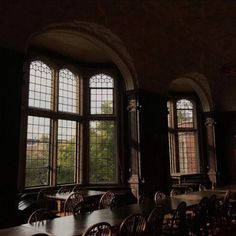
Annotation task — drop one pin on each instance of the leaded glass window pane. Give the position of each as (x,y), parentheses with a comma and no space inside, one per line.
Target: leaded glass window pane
(187,152)
(68,92)
(66,151)
(185,114)
(64,111)
(101,94)
(37,153)
(102,152)
(40,86)
(183,148)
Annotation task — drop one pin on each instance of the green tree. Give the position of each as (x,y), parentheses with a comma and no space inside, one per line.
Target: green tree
(66,157)
(102,162)
(37,163)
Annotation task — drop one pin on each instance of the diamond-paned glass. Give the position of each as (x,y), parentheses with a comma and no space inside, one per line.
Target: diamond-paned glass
(101,94)
(185,114)
(172,153)
(40,86)
(102,152)
(66,151)
(57,126)
(183,144)
(37,152)
(68,92)
(187,152)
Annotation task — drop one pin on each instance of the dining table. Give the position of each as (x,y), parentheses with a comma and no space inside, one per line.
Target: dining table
(72,225)
(85,193)
(77,224)
(89,195)
(198,195)
(22,230)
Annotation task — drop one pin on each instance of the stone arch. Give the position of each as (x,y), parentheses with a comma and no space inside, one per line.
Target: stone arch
(94,34)
(194,82)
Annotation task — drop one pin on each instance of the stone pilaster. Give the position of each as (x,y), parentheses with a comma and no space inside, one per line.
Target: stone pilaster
(211,153)
(134,143)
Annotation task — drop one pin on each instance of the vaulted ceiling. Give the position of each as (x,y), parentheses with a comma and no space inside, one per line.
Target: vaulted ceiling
(160,40)
(209,26)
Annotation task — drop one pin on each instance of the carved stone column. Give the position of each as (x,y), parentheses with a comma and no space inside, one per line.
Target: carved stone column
(134,143)
(211,151)
(148,143)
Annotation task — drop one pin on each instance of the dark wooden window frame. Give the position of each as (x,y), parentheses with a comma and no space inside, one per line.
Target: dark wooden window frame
(84,72)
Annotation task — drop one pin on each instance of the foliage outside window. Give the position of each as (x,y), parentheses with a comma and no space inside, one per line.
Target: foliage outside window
(101,131)
(183,144)
(56,127)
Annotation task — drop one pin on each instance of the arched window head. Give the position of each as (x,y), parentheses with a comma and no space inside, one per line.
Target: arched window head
(70,126)
(68,92)
(102,130)
(183,141)
(184,109)
(101,94)
(40,86)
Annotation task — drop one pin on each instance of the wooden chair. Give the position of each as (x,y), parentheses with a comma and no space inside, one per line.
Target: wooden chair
(99,229)
(188,190)
(198,221)
(177,224)
(72,200)
(45,202)
(76,188)
(155,221)
(212,213)
(107,200)
(175,192)
(159,196)
(142,199)
(227,196)
(201,187)
(133,225)
(223,209)
(42,192)
(82,207)
(64,190)
(40,215)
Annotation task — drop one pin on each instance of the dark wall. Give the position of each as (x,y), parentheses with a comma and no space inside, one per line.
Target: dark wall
(155,173)
(11,80)
(226,147)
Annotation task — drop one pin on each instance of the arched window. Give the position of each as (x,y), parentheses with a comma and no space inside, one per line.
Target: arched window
(70,120)
(183,136)
(102,129)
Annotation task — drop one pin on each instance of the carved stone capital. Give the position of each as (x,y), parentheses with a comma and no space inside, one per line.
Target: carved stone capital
(132,105)
(209,122)
(212,176)
(134,184)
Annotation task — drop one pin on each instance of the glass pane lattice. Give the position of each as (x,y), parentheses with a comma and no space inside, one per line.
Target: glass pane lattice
(172,153)
(183,143)
(101,94)
(187,152)
(185,114)
(102,157)
(66,151)
(68,92)
(64,112)
(40,85)
(37,153)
